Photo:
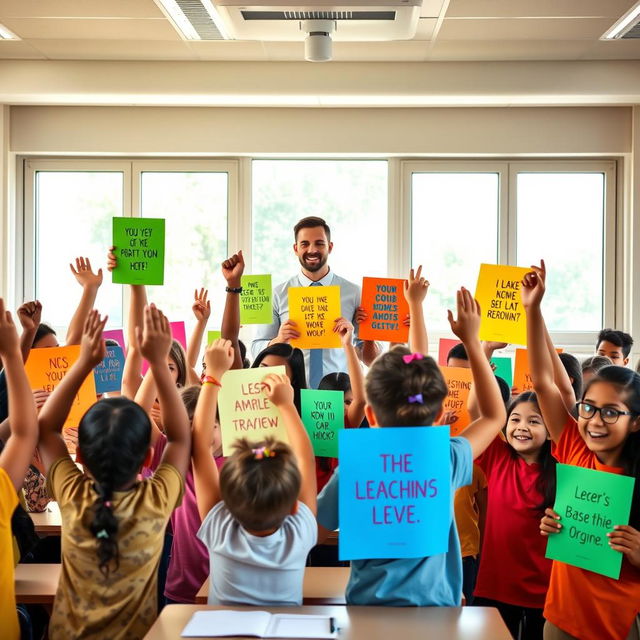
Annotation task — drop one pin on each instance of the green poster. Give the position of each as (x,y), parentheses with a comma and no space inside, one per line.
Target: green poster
(139,248)
(323,416)
(213,335)
(504,369)
(590,503)
(255,300)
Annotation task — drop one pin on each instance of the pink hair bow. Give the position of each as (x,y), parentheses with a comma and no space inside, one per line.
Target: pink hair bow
(411,357)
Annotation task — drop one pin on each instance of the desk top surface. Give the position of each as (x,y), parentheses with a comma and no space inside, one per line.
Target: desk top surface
(49,521)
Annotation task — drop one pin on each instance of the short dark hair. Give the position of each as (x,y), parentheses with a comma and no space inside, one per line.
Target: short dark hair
(572,366)
(619,338)
(311,222)
(459,352)
(42,331)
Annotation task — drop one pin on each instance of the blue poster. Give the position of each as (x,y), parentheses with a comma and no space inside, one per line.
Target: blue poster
(108,374)
(394,492)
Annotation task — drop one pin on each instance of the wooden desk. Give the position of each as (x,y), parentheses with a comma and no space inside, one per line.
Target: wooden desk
(49,522)
(322,586)
(36,583)
(367,623)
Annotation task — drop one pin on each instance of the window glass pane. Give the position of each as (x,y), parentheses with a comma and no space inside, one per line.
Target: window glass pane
(194,205)
(561,219)
(351,195)
(73,218)
(454,227)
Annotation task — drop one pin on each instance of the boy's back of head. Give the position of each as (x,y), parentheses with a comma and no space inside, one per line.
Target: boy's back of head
(458,357)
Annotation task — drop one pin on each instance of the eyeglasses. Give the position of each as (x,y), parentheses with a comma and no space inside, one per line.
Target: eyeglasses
(609,415)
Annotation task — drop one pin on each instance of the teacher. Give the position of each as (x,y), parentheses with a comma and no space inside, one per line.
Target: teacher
(313,246)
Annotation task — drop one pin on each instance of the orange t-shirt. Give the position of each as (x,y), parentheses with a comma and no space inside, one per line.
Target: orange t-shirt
(467,515)
(588,605)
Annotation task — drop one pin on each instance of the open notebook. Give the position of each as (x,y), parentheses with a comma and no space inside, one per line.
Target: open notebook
(217,624)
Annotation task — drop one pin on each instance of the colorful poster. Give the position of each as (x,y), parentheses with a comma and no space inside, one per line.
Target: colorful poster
(459,382)
(521,377)
(47,367)
(445,345)
(114,334)
(108,374)
(498,292)
(323,417)
(178,333)
(590,503)
(256,305)
(386,307)
(315,310)
(139,248)
(213,335)
(504,368)
(394,492)
(245,412)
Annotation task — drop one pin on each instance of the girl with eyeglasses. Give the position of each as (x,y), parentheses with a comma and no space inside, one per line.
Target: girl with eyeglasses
(606,437)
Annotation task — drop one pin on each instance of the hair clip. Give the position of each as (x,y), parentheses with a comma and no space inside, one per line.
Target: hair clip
(410,357)
(415,399)
(107,503)
(102,534)
(263,452)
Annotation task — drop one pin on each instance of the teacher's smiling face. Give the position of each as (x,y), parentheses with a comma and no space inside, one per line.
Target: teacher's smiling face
(312,248)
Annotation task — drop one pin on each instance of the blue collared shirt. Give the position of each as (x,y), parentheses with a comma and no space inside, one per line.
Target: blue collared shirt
(333,360)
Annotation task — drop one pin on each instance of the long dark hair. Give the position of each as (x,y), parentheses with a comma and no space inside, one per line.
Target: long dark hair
(546,483)
(296,361)
(178,356)
(113,438)
(627,382)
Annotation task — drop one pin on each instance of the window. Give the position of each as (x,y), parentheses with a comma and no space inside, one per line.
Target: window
(351,195)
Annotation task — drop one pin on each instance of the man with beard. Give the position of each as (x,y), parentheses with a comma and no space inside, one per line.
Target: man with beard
(313,246)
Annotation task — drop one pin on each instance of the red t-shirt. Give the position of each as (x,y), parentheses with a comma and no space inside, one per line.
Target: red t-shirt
(326,466)
(588,605)
(513,568)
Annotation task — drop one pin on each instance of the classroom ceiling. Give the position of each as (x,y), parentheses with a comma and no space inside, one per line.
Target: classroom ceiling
(448,30)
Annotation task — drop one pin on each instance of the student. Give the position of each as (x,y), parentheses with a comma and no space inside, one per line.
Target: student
(393,377)
(202,311)
(112,525)
(592,365)
(520,471)
(604,437)
(457,357)
(14,460)
(615,345)
(258,514)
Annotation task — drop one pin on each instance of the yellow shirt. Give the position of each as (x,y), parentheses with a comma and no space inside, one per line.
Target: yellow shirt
(467,514)
(124,604)
(8,504)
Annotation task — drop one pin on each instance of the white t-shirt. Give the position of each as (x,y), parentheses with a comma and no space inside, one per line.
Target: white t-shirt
(253,570)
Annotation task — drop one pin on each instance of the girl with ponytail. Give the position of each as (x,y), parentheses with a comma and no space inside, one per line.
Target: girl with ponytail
(113,525)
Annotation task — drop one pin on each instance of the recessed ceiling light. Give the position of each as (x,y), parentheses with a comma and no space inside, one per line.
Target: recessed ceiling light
(194,19)
(5,34)
(623,24)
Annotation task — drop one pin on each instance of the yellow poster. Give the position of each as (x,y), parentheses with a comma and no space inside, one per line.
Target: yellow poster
(47,367)
(245,411)
(498,292)
(315,310)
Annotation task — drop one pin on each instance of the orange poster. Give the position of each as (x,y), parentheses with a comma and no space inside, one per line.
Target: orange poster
(315,311)
(386,307)
(47,367)
(521,376)
(459,382)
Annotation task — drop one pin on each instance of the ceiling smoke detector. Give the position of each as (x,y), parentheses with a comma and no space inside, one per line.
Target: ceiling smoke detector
(318,46)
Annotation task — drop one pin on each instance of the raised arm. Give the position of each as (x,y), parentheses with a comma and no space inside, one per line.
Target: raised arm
(415,291)
(29,314)
(481,432)
(56,409)
(232,270)
(90,283)
(21,443)
(550,399)
(355,411)
(201,310)
(218,357)
(155,342)
(560,375)
(280,392)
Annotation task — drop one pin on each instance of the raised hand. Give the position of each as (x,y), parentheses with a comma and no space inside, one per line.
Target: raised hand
(9,341)
(30,314)
(416,287)
(467,323)
(92,346)
(155,337)
(278,389)
(218,358)
(201,305)
(533,286)
(84,274)
(112,261)
(448,418)
(232,270)
(345,329)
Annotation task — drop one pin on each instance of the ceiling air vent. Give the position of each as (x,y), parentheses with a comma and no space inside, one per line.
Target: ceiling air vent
(627,27)
(318,15)
(194,19)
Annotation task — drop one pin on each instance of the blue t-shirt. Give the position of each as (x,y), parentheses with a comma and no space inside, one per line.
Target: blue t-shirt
(434,581)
